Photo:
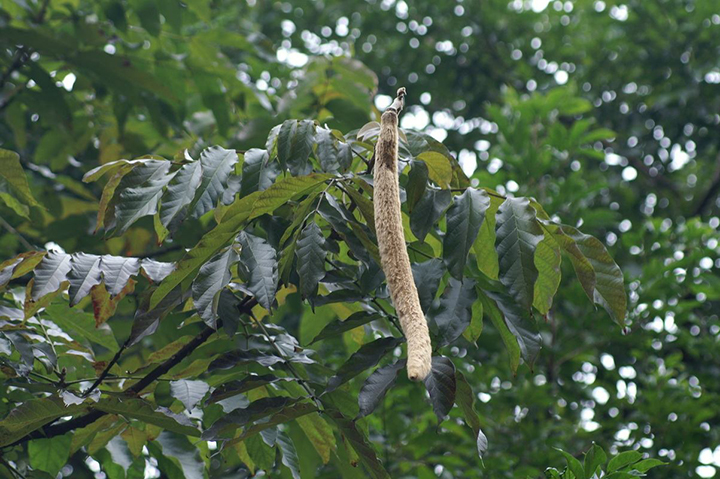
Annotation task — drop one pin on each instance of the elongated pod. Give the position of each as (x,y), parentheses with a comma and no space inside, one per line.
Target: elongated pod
(391,239)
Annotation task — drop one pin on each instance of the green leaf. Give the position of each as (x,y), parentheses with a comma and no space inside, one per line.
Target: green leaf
(547,262)
(582,266)
(143,411)
(259,262)
(518,234)
(81,325)
(440,384)
(365,358)
(417,183)
(427,276)
(376,387)
(233,388)
(34,414)
(212,278)
(623,459)
(455,310)
(260,453)
(258,173)
(474,330)
(647,464)
(336,328)
(319,433)
(258,409)
(249,207)
(519,322)
(117,271)
(175,202)
(286,135)
(365,452)
(465,399)
(49,455)
(327,151)
(573,464)
(183,453)
(310,252)
(50,274)
(293,411)
(511,343)
(464,219)
(288,454)
(217,165)
(484,246)
(428,211)
(11,170)
(84,274)
(439,168)
(609,281)
(135,439)
(595,458)
(140,192)
(188,392)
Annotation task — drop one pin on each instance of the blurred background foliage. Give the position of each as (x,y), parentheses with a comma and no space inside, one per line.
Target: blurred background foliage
(605,111)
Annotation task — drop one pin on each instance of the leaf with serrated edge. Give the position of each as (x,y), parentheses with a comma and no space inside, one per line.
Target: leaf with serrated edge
(455,310)
(376,387)
(238,213)
(84,274)
(518,233)
(217,165)
(50,274)
(310,252)
(179,194)
(188,392)
(440,384)
(464,218)
(212,278)
(547,262)
(259,259)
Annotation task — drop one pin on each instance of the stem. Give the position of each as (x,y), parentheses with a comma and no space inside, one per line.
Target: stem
(15,232)
(105,371)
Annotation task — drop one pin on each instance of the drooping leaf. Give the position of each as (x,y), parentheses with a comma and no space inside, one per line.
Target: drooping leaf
(247,208)
(135,439)
(518,233)
(146,320)
(301,147)
(417,183)
(484,246)
(428,211)
(140,192)
(49,455)
(233,388)
(365,358)
(439,168)
(117,271)
(473,331)
(156,271)
(217,164)
(427,276)
(376,387)
(258,173)
(547,262)
(285,140)
(188,392)
(184,453)
(365,452)
(520,323)
(491,309)
(288,454)
(105,305)
(440,383)
(50,274)
(180,192)
(11,171)
(455,311)
(609,285)
(319,433)
(259,262)
(465,399)
(258,409)
(623,459)
(212,278)
(85,273)
(292,411)
(582,266)
(464,218)
(310,252)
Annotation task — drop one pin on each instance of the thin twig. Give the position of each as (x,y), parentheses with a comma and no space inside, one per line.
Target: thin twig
(15,232)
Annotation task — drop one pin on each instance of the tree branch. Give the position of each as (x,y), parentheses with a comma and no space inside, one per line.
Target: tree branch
(59,429)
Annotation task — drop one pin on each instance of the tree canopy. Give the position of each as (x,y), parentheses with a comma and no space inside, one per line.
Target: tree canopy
(189,265)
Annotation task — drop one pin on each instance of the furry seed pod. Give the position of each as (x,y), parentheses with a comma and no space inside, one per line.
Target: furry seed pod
(391,240)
